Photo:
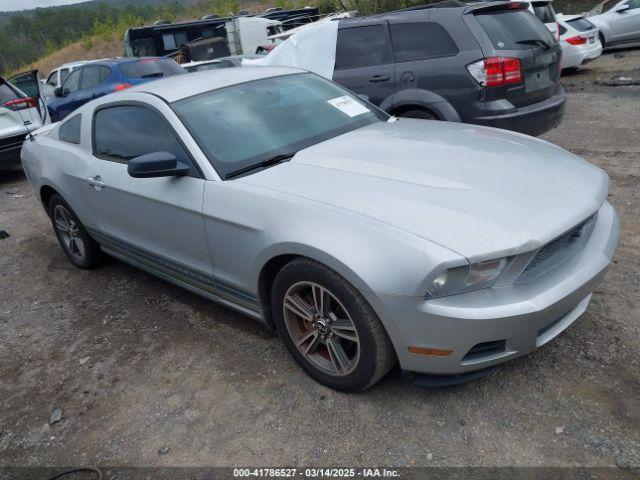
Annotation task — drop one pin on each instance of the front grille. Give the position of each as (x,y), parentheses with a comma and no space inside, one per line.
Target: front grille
(557,251)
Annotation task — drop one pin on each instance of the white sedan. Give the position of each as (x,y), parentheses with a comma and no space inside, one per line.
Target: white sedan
(579,40)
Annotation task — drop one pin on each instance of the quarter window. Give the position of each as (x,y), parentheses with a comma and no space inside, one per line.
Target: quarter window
(69,131)
(361,46)
(419,41)
(53,80)
(64,73)
(125,132)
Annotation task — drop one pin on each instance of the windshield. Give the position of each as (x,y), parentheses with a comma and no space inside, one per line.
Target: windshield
(513,29)
(252,122)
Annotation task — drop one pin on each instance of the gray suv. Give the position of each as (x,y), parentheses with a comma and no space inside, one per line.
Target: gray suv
(489,63)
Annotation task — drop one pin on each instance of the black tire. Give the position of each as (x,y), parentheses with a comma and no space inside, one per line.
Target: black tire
(80,248)
(602,40)
(375,352)
(418,113)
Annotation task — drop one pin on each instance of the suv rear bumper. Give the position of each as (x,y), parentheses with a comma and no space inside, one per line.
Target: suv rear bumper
(10,148)
(534,119)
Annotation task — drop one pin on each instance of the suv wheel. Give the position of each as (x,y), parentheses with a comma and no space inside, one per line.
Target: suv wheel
(418,113)
(329,328)
(80,248)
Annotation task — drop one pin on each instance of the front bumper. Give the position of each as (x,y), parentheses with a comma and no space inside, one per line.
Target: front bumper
(534,119)
(487,327)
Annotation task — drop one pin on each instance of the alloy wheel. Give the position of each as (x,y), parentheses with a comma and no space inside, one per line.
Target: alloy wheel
(321,328)
(69,232)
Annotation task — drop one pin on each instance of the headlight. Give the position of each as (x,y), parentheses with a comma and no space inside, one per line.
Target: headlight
(468,277)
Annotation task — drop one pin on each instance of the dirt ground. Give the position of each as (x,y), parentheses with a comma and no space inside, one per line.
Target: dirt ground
(147,374)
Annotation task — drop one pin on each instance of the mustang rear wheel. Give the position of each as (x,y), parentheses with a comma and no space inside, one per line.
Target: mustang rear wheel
(80,248)
(329,328)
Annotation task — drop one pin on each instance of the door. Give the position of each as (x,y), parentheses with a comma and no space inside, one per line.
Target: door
(70,99)
(423,51)
(155,221)
(625,22)
(29,84)
(364,61)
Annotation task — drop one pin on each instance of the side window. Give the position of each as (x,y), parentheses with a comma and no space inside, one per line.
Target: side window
(419,41)
(128,131)
(72,84)
(360,46)
(69,131)
(93,76)
(64,73)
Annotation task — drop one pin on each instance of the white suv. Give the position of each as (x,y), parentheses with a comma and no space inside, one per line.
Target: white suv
(20,113)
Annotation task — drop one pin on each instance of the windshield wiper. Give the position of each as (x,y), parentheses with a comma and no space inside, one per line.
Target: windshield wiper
(535,41)
(153,75)
(269,162)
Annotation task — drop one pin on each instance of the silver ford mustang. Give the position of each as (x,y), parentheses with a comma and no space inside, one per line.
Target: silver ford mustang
(364,240)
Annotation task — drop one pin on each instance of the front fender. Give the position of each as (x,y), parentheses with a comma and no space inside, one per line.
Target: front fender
(424,99)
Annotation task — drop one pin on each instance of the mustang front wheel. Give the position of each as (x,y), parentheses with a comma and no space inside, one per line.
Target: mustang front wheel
(329,328)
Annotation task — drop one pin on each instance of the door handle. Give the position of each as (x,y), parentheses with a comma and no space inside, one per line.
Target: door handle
(96,182)
(379,78)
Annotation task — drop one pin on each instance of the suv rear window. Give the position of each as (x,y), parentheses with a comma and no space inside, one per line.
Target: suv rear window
(423,40)
(545,12)
(581,24)
(506,29)
(150,68)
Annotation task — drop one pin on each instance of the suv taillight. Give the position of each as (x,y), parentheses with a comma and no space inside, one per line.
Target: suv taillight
(576,40)
(496,71)
(20,103)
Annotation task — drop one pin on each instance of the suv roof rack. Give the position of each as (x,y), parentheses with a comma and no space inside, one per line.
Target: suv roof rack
(441,4)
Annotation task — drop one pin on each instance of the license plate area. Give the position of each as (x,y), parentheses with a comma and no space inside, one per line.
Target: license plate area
(537,80)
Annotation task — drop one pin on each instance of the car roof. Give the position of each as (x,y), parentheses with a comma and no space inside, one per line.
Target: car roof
(178,87)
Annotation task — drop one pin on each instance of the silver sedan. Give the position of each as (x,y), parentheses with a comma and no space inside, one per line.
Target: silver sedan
(364,240)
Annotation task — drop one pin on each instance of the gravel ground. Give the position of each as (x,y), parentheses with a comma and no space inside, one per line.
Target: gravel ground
(147,374)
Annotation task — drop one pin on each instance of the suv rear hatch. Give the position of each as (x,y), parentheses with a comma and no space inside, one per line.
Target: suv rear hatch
(516,36)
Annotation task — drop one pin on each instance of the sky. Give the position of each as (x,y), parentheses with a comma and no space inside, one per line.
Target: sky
(12,5)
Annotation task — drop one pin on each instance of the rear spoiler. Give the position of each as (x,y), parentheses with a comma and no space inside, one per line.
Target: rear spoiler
(493,6)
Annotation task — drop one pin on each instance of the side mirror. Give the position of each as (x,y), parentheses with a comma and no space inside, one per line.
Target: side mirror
(622,8)
(58,92)
(156,164)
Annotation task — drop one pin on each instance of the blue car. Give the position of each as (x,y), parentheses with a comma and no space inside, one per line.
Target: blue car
(100,78)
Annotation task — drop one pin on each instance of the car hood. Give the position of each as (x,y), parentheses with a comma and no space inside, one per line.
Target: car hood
(478,191)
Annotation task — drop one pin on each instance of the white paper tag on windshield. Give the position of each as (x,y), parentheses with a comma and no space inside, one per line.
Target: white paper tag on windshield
(348,106)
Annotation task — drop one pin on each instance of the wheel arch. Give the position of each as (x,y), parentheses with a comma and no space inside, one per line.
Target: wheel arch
(46,192)
(417,99)
(281,255)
